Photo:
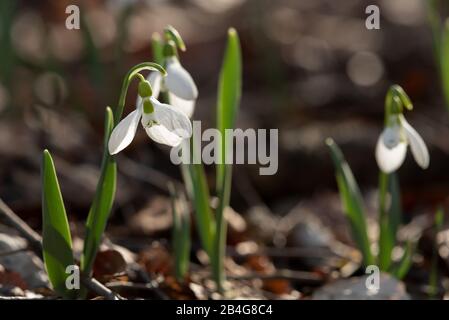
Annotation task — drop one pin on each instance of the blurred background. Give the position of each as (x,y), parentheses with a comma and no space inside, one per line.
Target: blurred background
(311,70)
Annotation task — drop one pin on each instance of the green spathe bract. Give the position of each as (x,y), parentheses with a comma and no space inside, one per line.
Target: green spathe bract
(56,238)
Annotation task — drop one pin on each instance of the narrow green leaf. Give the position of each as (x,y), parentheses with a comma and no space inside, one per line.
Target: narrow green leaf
(229,93)
(401,269)
(181,233)
(102,203)
(56,238)
(352,201)
(201,201)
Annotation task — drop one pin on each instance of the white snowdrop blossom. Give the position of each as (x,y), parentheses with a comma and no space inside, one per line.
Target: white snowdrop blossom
(182,91)
(162,122)
(392,145)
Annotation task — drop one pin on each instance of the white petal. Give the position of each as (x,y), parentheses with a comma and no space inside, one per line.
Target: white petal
(162,135)
(186,106)
(390,159)
(171,125)
(124,132)
(179,81)
(419,149)
(155,79)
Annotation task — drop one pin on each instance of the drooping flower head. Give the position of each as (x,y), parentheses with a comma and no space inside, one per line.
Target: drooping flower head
(163,123)
(178,84)
(398,134)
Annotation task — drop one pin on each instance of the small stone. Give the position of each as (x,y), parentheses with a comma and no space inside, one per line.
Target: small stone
(356,289)
(25,263)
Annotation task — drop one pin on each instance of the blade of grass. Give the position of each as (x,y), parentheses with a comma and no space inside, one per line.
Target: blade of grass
(102,203)
(229,93)
(352,201)
(56,238)
(181,233)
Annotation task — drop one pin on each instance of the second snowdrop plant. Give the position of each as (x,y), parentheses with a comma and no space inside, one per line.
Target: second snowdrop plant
(179,90)
(178,87)
(390,153)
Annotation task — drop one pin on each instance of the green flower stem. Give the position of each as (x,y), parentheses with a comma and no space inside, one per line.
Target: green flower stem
(386,238)
(220,237)
(105,192)
(132,73)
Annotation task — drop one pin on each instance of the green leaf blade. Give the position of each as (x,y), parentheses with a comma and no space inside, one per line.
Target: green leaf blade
(56,238)
(102,203)
(401,269)
(229,94)
(200,197)
(352,201)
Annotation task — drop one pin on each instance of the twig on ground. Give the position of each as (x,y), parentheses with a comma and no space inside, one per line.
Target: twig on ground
(97,287)
(151,283)
(35,241)
(150,286)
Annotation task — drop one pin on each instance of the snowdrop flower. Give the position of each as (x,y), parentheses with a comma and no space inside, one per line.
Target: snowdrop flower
(162,122)
(392,145)
(181,89)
